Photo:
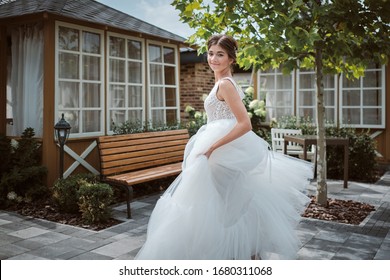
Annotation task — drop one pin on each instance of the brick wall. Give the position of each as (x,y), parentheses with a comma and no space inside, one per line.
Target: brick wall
(196,79)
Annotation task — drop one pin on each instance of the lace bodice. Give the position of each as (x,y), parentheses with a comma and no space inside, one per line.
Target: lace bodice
(217,109)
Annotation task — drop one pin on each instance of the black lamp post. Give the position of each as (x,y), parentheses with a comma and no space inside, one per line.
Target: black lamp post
(62,131)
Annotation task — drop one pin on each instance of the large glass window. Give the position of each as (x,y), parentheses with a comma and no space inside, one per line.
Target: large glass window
(277,91)
(125,80)
(163,88)
(79,93)
(307,95)
(363,100)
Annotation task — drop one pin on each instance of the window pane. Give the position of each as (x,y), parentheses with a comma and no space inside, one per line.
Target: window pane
(329,115)
(284,81)
(135,96)
(68,39)
(329,98)
(279,112)
(91,97)
(351,98)
(117,47)
(117,96)
(170,97)
(157,97)
(350,83)
(306,81)
(68,66)
(328,81)
(169,73)
(91,121)
(135,72)
(351,116)
(267,82)
(68,95)
(156,74)
(72,117)
(169,55)
(91,68)
(117,70)
(372,79)
(117,117)
(155,53)
(158,117)
(372,98)
(135,115)
(171,116)
(134,49)
(307,98)
(307,112)
(372,116)
(91,42)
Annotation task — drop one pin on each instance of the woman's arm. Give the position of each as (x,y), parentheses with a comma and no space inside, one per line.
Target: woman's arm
(227,92)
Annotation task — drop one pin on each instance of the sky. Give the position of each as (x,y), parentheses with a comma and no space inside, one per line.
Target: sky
(157,12)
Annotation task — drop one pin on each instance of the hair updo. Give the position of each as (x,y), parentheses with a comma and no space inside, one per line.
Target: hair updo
(226,42)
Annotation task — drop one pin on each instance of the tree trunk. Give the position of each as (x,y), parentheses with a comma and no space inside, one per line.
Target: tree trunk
(322,188)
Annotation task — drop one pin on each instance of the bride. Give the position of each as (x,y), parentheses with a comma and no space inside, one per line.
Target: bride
(235,199)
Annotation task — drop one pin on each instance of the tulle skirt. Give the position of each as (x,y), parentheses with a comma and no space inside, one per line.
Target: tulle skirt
(243,201)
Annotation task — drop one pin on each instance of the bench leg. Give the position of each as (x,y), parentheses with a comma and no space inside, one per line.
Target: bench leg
(129,192)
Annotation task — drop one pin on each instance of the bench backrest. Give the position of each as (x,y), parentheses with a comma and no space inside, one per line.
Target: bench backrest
(277,138)
(129,152)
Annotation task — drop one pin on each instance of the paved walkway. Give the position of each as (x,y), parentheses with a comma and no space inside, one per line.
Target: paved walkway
(25,238)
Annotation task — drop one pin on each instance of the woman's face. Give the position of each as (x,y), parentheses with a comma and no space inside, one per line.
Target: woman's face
(218,59)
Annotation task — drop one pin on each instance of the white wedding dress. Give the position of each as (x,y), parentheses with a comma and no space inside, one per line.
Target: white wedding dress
(243,201)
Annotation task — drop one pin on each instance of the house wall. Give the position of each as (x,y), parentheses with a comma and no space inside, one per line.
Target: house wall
(3,81)
(196,79)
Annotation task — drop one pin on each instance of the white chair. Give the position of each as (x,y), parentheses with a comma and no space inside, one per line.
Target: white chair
(293,149)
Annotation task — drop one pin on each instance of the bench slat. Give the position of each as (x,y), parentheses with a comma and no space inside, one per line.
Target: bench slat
(127,165)
(146,175)
(127,160)
(129,147)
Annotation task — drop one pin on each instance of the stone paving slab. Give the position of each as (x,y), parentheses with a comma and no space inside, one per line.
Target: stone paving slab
(23,238)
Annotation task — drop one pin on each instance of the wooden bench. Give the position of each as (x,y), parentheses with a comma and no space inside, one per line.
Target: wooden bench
(130,159)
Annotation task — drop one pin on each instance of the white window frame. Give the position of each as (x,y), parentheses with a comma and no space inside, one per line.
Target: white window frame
(361,107)
(314,90)
(80,80)
(276,73)
(126,83)
(177,79)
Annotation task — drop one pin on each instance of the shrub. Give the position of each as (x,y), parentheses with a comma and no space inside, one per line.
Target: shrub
(362,157)
(130,127)
(65,191)
(21,169)
(94,202)
(196,119)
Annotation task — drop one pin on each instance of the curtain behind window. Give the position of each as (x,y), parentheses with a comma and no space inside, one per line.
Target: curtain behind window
(26,81)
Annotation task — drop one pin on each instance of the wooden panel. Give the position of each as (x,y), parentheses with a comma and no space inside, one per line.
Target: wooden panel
(141,176)
(124,153)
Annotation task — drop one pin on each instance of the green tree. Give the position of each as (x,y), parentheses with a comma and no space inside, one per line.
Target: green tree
(339,36)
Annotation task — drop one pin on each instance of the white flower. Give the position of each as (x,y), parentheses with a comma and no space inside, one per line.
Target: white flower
(261,104)
(204,96)
(250,115)
(189,109)
(250,90)
(254,104)
(259,112)
(12,195)
(198,115)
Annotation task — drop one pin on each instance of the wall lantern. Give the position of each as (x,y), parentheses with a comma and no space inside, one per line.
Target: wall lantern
(62,131)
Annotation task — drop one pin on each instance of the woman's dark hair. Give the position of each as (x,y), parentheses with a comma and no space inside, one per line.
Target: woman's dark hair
(226,42)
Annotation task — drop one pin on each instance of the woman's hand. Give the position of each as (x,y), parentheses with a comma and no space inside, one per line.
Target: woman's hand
(209,151)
